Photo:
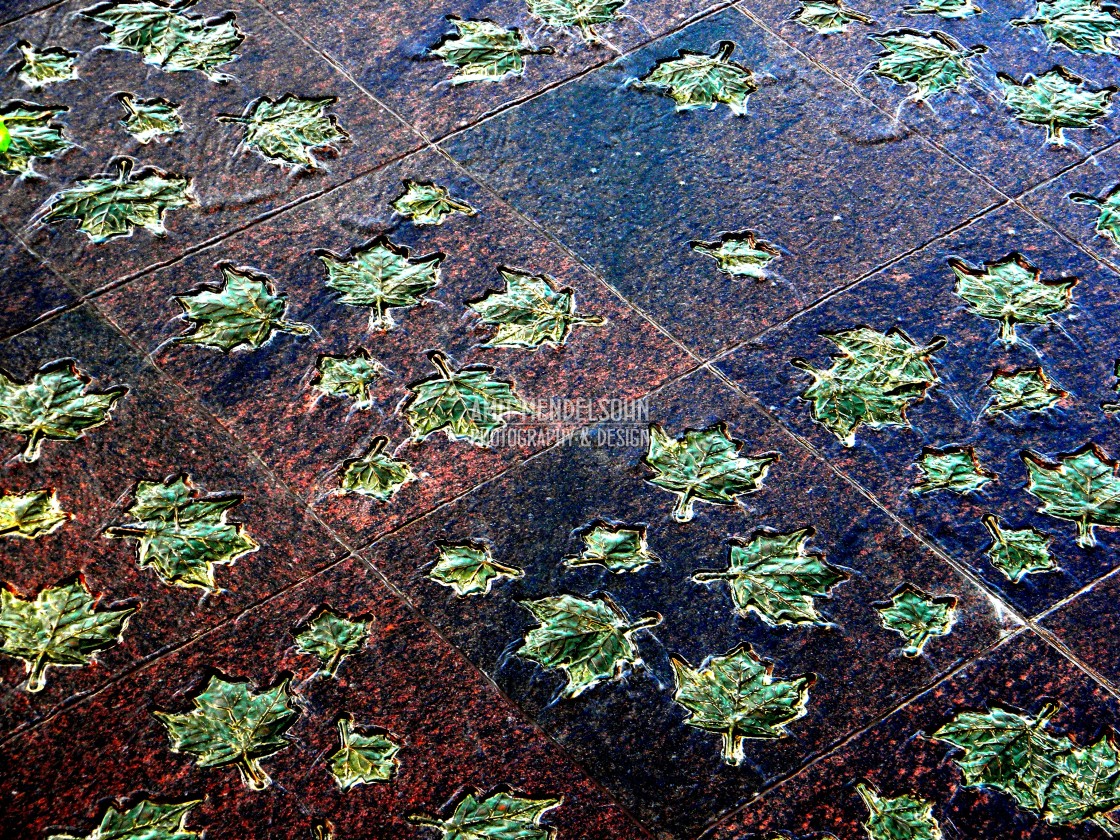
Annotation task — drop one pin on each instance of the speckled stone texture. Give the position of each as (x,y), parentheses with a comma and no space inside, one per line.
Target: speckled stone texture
(29,290)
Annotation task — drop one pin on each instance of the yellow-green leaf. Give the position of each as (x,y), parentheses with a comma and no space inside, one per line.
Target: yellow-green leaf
(375,474)
(32,133)
(150,119)
(698,80)
(1057,100)
(1018,552)
(289,130)
(31,515)
(146,820)
(740,254)
(425,203)
(918,617)
(44,66)
(1011,292)
(617,547)
(500,816)
(469,568)
(362,759)
(332,637)
(530,312)
(956,469)
(900,818)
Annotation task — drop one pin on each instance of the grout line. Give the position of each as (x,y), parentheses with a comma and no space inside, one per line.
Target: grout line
(30,12)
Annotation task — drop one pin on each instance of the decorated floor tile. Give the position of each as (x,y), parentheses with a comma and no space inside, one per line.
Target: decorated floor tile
(128,523)
(1087,625)
(149,152)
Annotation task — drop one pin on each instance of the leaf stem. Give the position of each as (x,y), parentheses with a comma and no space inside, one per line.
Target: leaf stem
(377,446)
(682,511)
(253,773)
(420,819)
(731,752)
(32,450)
(36,674)
(442,365)
(332,667)
(1085,537)
(725,50)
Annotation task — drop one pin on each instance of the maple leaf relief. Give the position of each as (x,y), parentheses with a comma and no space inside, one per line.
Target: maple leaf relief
(1056,100)
(288,131)
(33,133)
(483,51)
(698,80)
(501,815)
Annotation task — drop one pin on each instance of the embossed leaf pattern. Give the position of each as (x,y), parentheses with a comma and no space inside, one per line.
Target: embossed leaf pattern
(150,119)
(1056,100)
(1081,487)
(1108,212)
(1027,389)
(425,203)
(500,816)
(331,637)
(956,469)
(530,312)
(616,547)
(41,66)
(737,696)
(1010,291)
(348,377)
(245,311)
(469,568)
(168,37)
(698,80)
(32,133)
(108,206)
(31,515)
(1083,26)
(54,404)
(182,533)
(918,617)
(704,465)
(1018,552)
(146,820)
(483,51)
(383,277)
(740,254)
(898,818)
(1087,788)
(775,576)
(947,9)
(928,62)
(590,640)
(290,130)
(362,759)
(375,474)
(232,724)
(61,626)
(828,17)
(583,15)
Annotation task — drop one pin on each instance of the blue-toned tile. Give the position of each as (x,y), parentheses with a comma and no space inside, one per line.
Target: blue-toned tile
(29,290)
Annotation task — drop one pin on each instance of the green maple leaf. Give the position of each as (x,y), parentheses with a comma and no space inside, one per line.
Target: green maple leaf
(169,38)
(775,576)
(917,617)
(146,820)
(331,637)
(872,383)
(1082,26)
(1108,212)
(108,206)
(425,203)
(32,133)
(956,469)
(589,640)
(617,547)
(1006,751)
(584,15)
(61,627)
(737,696)
(230,724)
(382,276)
(362,759)
(929,62)
(1018,553)
(1010,291)
(704,465)
(245,311)
(483,51)
(1027,389)
(500,816)
(469,568)
(40,67)
(290,130)
(1087,788)
(55,404)
(348,376)
(183,533)
(149,119)
(698,80)
(828,17)
(740,254)
(530,312)
(1082,487)
(947,9)
(900,818)
(1056,100)
(375,474)
(466,404)
(31,515)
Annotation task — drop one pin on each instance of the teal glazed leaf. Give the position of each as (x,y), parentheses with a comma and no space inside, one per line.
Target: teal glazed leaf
(290,130)
(150,119)
(375,474)
(704,464)
(828,17)
(618,548)
(1018,552)
(383,277)
(108,206)
(946,9)
(872,383)
(1081,26)
(928,62)
(530,312)
(245,311)
(1011,292)
(740,254)
(31,515)
(956,469)
(1026,389)
(1108,212)
(362,759)
(698,80)
(182,533)
(737,696)
(583,15)
(466,404)
(589,640)
(54,404)
(348,377)
(1081,487)
(32,133)
(500,816)
(775,576)
(62,626)
(38,67)
(469,568)
(483,51)
(332,637)
(169,38)
(1057,100)
(146,820)
(231,724)
(900,818)
(425,203)
(1088,787)
(917,617)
